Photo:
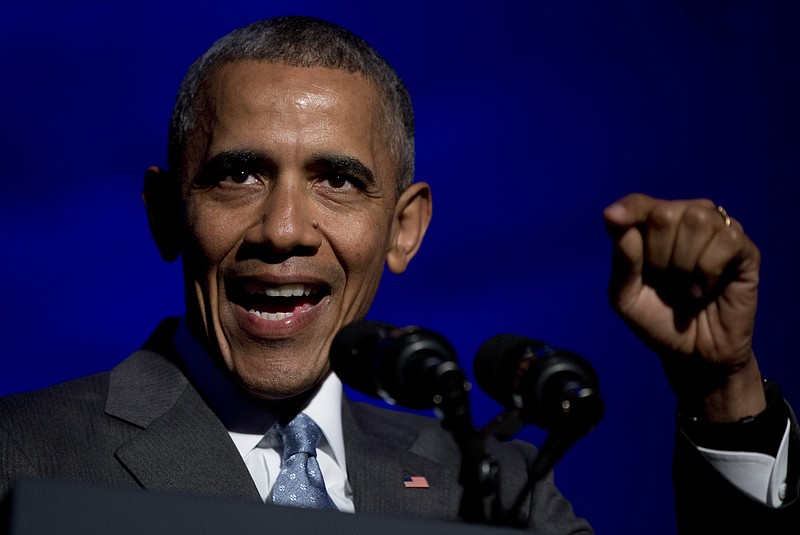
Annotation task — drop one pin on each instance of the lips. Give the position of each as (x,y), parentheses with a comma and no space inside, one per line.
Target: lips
(277,302)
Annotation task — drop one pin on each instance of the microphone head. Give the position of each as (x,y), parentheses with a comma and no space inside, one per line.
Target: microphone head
(551,388)
(497,366)
(351,354)
(403,366)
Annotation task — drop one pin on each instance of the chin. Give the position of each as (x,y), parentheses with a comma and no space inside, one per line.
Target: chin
(280,384)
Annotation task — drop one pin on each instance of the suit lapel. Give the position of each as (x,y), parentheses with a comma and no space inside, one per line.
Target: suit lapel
(181,444)
(381,453)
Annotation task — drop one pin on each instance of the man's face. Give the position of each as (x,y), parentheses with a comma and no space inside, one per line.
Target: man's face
(290,210)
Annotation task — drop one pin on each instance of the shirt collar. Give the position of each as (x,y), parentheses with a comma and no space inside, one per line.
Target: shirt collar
(246,417)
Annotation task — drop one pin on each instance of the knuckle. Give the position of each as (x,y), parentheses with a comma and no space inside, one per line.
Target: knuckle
(697,216)
(731,235)
(665,215)
(711,268)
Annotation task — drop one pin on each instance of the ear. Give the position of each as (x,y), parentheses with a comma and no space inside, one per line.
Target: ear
(162,198)
(412,214)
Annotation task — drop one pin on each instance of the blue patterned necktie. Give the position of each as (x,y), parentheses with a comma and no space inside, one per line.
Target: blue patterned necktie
(300,482)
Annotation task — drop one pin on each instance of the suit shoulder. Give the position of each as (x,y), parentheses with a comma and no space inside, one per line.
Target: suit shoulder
(67,412)
(89,391)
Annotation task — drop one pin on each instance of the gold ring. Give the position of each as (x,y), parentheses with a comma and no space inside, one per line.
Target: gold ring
(724,215)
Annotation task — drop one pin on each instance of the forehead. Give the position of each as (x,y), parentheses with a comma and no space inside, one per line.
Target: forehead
(253,102)
(258,83)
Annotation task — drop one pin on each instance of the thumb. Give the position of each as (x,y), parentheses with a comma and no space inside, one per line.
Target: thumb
(627,261)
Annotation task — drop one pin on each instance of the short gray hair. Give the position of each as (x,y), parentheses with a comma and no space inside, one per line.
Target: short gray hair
(298,42)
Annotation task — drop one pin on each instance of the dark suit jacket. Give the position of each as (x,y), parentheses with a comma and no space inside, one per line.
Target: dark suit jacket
(144,424)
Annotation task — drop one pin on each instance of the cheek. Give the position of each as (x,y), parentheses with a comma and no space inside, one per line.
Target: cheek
(361,246)
(209,238)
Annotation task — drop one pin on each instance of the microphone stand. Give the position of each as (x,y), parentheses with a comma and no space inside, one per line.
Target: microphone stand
(479,474)
(580,409)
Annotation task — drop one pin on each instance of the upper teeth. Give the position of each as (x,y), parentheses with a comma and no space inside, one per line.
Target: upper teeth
(285,290)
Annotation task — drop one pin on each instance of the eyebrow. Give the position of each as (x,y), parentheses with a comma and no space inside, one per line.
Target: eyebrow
(230,158)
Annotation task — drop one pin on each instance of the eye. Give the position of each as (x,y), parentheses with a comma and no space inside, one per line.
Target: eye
(244,178)
(339,181)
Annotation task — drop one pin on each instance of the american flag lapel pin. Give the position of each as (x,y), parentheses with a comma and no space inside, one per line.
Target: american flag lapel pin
(415,482)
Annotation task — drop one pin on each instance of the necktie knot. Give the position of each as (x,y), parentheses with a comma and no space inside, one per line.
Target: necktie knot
(300,482)
(301,435)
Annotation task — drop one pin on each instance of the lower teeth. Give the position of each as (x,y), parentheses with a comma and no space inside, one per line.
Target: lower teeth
(271,316)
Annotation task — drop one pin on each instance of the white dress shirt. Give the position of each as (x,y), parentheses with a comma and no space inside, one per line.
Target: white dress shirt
(250,421)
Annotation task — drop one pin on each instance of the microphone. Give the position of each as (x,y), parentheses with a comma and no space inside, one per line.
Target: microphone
(553,388)
(545,386)
(417,368)
(410,366)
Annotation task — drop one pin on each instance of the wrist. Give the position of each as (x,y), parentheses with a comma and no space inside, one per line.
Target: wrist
(761,433)
(730,398)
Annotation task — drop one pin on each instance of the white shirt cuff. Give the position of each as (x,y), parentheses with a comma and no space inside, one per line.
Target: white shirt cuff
(760,476)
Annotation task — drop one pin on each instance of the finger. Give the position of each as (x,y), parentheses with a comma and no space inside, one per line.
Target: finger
(728,248)
(625,281)
(662,227)
(661,230)
(631,210)
(625,223)
(698,225)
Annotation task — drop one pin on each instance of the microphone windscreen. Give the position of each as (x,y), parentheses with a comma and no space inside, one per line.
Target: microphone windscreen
(497,365)
(351,354)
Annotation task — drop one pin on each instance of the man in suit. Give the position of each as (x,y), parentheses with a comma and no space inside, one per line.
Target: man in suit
(289,187)
(290,184)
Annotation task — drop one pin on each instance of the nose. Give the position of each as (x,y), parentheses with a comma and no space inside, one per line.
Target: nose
(287,224)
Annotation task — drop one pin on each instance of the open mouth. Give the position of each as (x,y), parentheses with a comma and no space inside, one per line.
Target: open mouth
(278,302)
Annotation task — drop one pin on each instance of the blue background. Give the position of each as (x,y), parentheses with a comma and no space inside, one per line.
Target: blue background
(532,117)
